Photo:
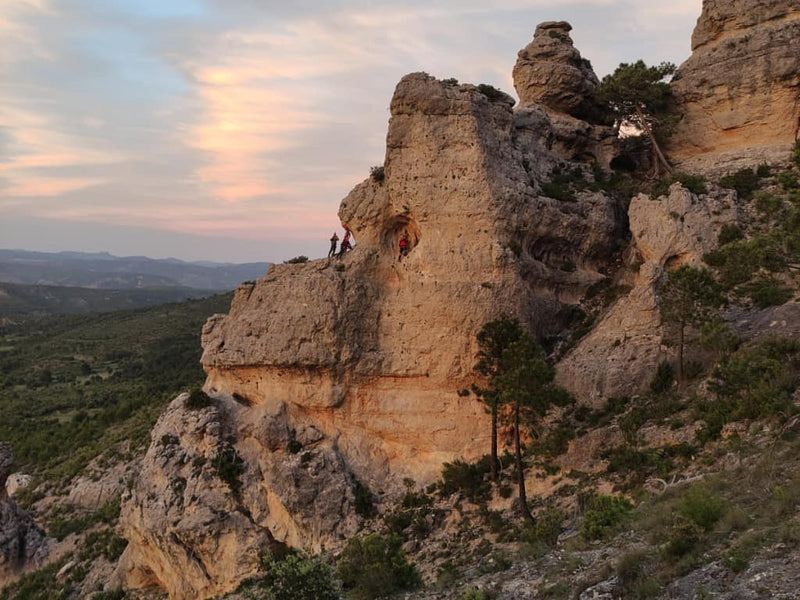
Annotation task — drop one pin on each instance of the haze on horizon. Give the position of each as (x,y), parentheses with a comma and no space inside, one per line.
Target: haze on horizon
(231,130)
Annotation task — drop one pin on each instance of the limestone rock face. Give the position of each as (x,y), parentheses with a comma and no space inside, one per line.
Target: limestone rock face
(372,350)
(342,374)
(619,356)
(197,535)
(22,543)
(551,72)
(739,92)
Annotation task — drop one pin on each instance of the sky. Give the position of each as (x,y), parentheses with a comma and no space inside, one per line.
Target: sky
(230,130)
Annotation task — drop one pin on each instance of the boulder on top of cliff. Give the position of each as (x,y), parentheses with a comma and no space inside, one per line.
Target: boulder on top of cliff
(739,92)
(551,71)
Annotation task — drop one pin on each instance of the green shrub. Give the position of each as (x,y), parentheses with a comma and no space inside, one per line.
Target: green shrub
(491,92)
(229,467)
(376,566)
(796,154)
(297,260)
(744,181)
(738,261)
(766,292)
(293,576)
(363,500)
(102,542)
(603,515)
(377,173)
(754,382)
(558,191)
(730,232)
(469,479)
(555,440)
(694,183)
(716,335)
(701,507)
(663,379)
(447,574)
(763,170)
(197,400)
(788,180)
(546,529)
(768,204)
(683,538)
(633,580)
(736,560)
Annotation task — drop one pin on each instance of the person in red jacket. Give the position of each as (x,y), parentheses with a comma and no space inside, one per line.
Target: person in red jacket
(405,245)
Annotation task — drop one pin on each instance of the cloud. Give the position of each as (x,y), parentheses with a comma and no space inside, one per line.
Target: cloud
(247,118)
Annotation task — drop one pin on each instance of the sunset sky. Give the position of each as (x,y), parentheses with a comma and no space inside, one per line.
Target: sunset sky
(230,130)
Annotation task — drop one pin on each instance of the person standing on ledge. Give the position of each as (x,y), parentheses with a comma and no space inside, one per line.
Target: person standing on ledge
(345,242)
(334,239)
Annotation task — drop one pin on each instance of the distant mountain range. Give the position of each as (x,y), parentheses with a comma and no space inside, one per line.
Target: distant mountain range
(105,271)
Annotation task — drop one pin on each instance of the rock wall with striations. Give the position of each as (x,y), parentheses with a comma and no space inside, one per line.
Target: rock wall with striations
(739,92)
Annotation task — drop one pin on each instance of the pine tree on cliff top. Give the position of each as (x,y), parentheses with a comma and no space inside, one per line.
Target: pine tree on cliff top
(639,95)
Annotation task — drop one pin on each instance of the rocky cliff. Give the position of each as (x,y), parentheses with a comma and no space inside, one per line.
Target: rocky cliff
(358,362)
(22,544)
(739,92)
(335,379)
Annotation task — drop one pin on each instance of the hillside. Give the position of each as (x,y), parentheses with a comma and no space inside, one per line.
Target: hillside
(18,300)
(104,271)
(71,386)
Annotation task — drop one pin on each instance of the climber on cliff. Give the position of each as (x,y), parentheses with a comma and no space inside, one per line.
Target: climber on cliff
(334,241)
(405,245)
(346,245)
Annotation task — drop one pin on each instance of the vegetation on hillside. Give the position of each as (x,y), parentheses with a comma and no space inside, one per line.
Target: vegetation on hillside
(73,386)
(19,302)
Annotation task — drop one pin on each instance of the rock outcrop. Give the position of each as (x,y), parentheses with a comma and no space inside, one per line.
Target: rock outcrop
(359,361)
(218,485)
(620,355)
(550,71)
(22,543)
(373,350)
(739,92)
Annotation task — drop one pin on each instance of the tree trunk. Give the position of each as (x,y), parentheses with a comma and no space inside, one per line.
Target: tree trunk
(494,443)
(681,329)
(523,497)
(659,160)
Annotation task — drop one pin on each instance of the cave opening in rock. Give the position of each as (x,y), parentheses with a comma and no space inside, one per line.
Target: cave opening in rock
(399,225)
